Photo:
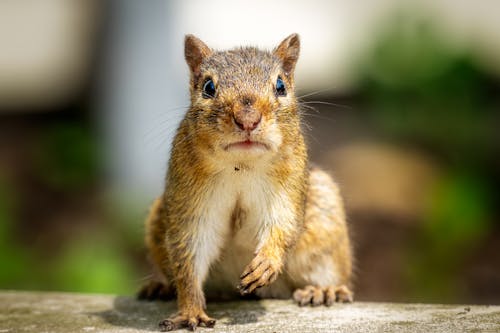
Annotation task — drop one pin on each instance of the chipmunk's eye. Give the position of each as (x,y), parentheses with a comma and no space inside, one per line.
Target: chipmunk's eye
(280,87)
(208,89)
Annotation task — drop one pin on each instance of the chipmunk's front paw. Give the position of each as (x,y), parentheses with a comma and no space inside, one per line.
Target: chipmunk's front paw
(190,320)
(260,272)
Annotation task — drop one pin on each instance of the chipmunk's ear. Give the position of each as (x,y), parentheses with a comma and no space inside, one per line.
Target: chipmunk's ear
(288,51)
(194,52)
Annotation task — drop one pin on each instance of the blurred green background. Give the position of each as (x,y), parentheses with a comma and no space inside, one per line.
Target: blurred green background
(412,139)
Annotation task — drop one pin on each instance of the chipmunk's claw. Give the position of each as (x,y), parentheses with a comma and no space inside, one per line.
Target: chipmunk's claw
(314,296)
(260,272)
(191,321)
(167,325)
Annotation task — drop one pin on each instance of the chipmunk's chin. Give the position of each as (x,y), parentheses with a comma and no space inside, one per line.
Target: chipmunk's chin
(247,146)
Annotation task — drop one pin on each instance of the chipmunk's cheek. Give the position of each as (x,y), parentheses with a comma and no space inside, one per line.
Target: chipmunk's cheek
(272,135)
(227,129)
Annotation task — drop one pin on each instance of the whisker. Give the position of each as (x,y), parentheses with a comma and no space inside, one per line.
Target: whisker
(328,103)
(303,108)
(315,92)
(319,117)
(168,112)
(158,138)
(144,278)
(163,129)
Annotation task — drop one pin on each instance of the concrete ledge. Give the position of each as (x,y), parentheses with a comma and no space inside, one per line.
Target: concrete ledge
(64,312)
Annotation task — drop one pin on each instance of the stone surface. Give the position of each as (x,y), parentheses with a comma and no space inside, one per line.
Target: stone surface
(64,312)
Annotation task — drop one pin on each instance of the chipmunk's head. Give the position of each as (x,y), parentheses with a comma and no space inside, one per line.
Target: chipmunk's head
(243,102)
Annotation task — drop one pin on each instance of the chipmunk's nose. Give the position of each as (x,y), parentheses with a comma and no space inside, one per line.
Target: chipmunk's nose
(247,119)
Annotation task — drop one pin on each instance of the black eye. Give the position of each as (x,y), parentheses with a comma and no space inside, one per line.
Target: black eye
(280,87)
(208,89)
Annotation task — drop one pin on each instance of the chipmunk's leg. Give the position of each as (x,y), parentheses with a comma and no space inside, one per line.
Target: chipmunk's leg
(190,296)
(192,249)
(159,286)
(319,266)
(190,301)
(279,233)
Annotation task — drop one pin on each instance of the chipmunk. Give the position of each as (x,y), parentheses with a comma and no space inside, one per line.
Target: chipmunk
(242,210)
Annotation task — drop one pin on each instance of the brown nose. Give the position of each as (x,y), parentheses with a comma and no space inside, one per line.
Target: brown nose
(247,120)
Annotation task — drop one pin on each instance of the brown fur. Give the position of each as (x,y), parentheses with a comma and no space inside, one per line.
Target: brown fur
(302,237)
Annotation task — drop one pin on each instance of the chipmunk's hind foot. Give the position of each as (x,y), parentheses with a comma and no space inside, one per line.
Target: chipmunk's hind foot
(188,320)
(314,296)
(156,290)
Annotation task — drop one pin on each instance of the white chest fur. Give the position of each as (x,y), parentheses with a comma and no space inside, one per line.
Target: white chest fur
(232,245)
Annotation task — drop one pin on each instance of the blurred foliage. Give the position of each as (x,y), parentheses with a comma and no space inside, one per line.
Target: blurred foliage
(421,90)
(458,208)
(457,220)
(94,263)
(15,259)
(67,156)
(418,90)
(65,159)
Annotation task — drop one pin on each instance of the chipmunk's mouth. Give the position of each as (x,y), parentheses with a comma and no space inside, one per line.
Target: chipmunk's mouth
(246,145)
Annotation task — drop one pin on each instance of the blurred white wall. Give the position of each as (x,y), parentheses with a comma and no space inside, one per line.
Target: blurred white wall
(143,95)
(45,51)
